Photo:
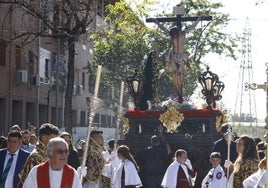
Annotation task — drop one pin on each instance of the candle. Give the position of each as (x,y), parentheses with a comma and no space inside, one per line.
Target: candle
(121,94)
(97,83)
(140,131)
(203,128)
(135,86)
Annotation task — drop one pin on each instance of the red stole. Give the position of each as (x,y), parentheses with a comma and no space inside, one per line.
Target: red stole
(43,176)
(182,181)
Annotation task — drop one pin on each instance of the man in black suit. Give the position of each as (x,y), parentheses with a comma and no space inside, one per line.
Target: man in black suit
(12,160)
(221,146)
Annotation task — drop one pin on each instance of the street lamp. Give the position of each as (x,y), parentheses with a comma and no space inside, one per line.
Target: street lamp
(135,84)
(212,87)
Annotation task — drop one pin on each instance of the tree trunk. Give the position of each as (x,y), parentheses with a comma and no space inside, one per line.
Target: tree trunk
(69,90)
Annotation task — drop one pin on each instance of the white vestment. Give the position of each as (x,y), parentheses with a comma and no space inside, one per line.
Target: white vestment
(115,161)
(262,180)
(55,177)
(92,185)
(251,181)
(131,175)
(230,181)
(170,177)
(215,178)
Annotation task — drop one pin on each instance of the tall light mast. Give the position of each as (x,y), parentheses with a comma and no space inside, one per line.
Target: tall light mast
(245,103)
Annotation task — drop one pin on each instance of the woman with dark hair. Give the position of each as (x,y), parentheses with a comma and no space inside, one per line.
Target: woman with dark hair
(126,175)
(73,158)
(246,162)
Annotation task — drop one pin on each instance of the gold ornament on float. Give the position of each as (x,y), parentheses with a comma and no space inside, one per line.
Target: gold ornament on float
(126,126)
(171,119)
(221,119)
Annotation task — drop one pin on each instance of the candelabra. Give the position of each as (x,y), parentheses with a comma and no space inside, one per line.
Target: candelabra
(229,137)
(93,104)
(119,113)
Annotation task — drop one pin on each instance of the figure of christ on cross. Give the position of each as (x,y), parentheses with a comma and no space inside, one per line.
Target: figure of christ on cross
(178,57)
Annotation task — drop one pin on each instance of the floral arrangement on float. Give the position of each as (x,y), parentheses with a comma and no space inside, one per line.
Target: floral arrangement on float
(172,117)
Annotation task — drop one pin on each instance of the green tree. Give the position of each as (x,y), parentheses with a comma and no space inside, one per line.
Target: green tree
(122,45)
(204,40)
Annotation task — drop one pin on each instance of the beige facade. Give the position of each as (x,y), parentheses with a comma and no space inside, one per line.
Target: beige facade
(28,94)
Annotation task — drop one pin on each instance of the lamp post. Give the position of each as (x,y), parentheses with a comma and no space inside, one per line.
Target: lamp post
(135,84)
(264,86)
(212,87)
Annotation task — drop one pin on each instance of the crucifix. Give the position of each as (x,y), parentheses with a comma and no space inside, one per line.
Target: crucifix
(178,56)
(264,86)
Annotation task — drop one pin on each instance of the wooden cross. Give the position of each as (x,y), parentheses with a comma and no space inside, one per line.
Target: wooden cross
(178,57)
(179,11)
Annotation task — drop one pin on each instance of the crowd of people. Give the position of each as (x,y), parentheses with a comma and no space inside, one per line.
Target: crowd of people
(244,167)
(53,161)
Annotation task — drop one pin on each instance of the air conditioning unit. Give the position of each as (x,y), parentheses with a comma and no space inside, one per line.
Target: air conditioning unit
(22,76)
(74,90)
(34,80)
(80,90)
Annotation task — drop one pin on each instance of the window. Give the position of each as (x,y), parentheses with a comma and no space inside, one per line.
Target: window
(47,69)
(31,63)
(2,53)
(18,57)
(83,79)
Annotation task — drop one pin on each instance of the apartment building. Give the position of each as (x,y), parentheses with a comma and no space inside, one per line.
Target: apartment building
(33,76)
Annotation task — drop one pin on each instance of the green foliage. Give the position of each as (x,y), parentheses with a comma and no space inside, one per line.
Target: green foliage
(208,37)
(122,45)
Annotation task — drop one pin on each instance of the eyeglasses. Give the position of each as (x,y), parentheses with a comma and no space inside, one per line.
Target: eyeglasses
(61,151)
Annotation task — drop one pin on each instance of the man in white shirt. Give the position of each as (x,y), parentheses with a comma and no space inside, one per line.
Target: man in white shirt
(26,141)
(55,172)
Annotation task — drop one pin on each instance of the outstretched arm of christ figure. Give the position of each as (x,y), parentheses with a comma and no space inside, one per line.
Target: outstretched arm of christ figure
(191,27)
(161,26)
(187,30)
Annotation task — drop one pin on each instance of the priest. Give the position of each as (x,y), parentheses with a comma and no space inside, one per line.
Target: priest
(55,172)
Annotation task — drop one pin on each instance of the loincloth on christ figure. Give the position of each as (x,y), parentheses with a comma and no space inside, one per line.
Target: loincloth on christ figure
(177,61)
